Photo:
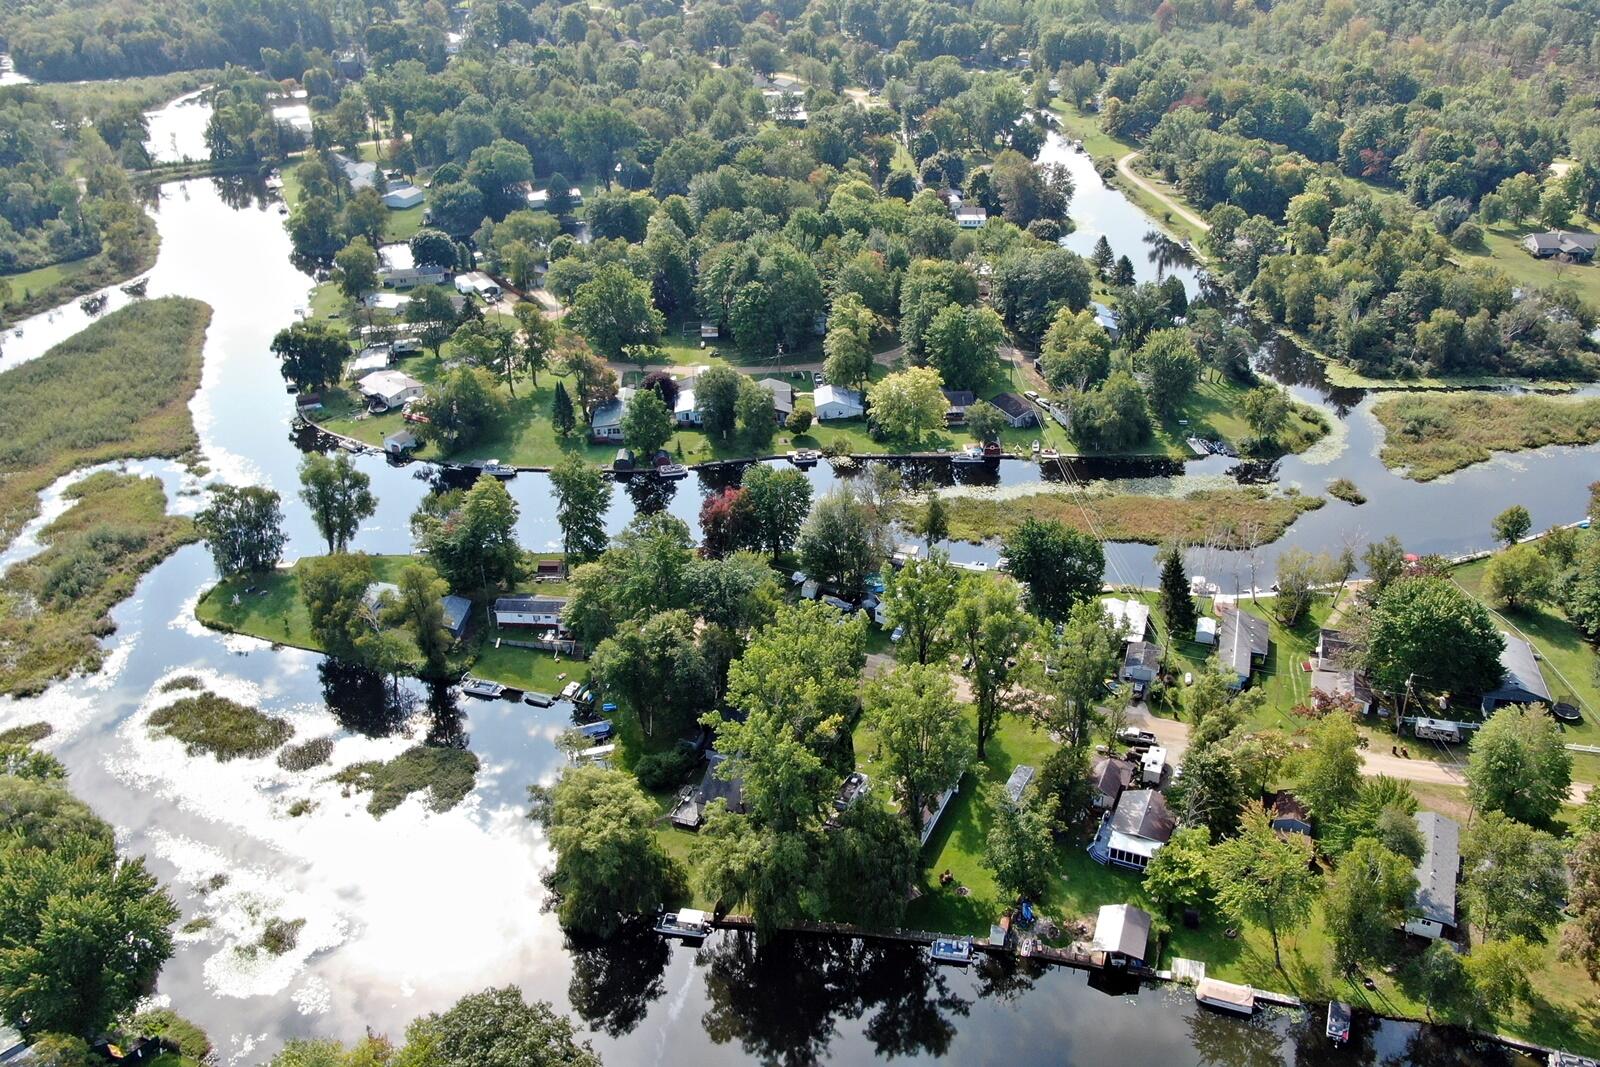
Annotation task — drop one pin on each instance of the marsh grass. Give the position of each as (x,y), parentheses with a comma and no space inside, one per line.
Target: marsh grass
(447,774)
(1433,434)
(30,733)
(304,755)
(223,728)
(1344,489)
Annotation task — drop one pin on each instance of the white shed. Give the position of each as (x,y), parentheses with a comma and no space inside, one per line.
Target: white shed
(837,402)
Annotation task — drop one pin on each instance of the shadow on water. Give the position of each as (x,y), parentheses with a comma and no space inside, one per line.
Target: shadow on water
(447,723)
(615,981)
(362,700)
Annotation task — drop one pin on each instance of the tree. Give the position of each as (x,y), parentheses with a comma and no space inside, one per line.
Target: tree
(1262,876)
(1385,561)
(365,216)
(1101,257)
(433,315)
(1170,365)
(538,340)
(1177,875)
(613,310)
(1267,410)
(1520,575)
(842,541)
(356,269)
(583,494)
(1069,672)
(933,524)
(1364,903)
(1177,603)
(963,345)
(990,627)
(313,354)
(925,740)
(1512,525)
(1444,984)
(609,862)
(83,933)
(1499,971)
(461,409)
(334,590)
(562,416)
(986,423)
(1516,879)
(869,858)
(1518,764)
(917,600)
(1580,937)
(1427,632)
(777,501)
(655,669)
(1019,846)
(848,344)
(497,1028)
(470,537)
(757,413)
(1031,285)
(716,393)
(489,344)
(338,496)
(929,285)
(430,247)
(243,528)
(1299,575)
(909,405)
(419,607)
(1077,351)
(646,423)
(1059,567)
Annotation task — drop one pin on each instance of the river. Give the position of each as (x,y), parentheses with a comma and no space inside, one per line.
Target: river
(406,913)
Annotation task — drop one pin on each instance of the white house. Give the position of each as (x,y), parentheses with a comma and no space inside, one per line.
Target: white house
(1131,617)
(401,195)
(606,422)
(398,268)
(360,173)
(685,411)
(539,199)
(1135,830)
(837,402)
(478,282)
(528,610)
(388,389)
(296,117)
(972,218)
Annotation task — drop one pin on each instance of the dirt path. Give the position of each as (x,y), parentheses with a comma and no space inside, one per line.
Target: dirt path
(886,358)
(1125,168)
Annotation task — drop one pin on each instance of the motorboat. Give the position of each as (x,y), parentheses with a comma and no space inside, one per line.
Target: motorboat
(539,700)
(969,454)
(1048,454)
(956,950)
(672,471)
(1338,1028)
(1034,447)
(598,731)
(688,924)
(495,469)
(804,457)
(485,690)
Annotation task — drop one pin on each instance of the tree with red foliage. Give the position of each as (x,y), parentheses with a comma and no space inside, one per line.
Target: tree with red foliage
(724,523)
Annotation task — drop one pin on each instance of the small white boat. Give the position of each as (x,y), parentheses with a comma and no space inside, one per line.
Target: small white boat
(689,924)
(969,454)
(1338,1028)
(1034,447)
(804,457)
(477,687)
(495,469)
(672,471)
(956,950)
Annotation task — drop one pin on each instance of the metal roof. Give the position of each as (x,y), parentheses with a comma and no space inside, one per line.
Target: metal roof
(1122,928)
(1436,872)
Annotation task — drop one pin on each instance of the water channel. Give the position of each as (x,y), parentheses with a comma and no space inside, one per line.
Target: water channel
(406,913)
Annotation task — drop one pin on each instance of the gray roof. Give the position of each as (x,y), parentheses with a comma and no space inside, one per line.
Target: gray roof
(1523,682)
(1241,637)
(1143,813)
(1018,782)
(1144,654)
(1012,405)
(1561,240)
(1123,929)
(782,394)
(960,398)
(1436,873)
(1111,775)
(455,612)
(531,605)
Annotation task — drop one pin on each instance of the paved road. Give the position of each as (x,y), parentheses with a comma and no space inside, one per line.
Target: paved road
(1125,168)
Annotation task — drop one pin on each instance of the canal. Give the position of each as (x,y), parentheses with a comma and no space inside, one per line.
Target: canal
(404,914)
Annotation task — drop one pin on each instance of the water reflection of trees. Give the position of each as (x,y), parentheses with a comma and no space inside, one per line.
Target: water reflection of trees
(1227,1041)
(615,981)
(362,700)
(447,724)
(650,495)
(781,1001)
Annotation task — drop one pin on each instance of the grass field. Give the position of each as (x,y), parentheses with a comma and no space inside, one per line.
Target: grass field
(1432,434)
(1230,517)
(26,283)
(1502,249)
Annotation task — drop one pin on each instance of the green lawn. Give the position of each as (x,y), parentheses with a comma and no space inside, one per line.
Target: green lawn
(274,611)
(1086,127)
(25,283)
(1502,248)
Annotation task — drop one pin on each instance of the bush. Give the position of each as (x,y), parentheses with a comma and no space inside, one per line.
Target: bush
(448,774)
(185,1036)
(306,754)
(1468,235)
(221,727)
(661,771)
(30,733)
(800,422)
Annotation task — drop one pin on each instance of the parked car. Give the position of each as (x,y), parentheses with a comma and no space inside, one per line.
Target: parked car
(1132,735)
(816,377)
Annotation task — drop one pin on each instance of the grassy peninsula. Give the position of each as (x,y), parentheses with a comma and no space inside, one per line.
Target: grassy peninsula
(1430,435)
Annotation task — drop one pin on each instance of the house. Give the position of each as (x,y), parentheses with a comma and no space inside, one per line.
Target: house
(1434,906)
(685,409)
(293,117)
(1108,778)
(1522,682)
(373,600)
(1332,679)
(690,810)
(539,199)
(399,269)
(1017,784)
(1289,815)
(1141,664)
(971,218)
(606,422)
(525,609)
(1122,932)
(1205,630)
(1551,243)
(1242,642)
(399,196)
(479,283)
(1132,617)
(400,442)
(1018,412)
(369,359)
(782,398)
(837,402)
(358,172)
(386,390)
(457,610)
(1136,830)
(1106,319)
(959,400)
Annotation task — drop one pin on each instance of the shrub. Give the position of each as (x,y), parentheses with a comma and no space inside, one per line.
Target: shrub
(448,774)
(661,771)
(800,422)
(221,727)
(306,754)
(190,1041)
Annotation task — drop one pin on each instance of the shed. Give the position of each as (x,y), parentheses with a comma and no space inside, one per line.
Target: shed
(476,281)
(1522,682)
(710,331)
(457,610)
(971,218)
(400,442)
(959,400)
(1434,906)
(837,402)
(1289,815)
(1122,932)
(1205,630)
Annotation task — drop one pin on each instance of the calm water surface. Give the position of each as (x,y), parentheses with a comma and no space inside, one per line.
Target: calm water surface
(406,913)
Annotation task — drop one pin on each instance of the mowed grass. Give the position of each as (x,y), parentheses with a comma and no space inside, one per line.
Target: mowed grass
(1502,249)
(120,389)
(24,284)
(1226,517)
(1433,434)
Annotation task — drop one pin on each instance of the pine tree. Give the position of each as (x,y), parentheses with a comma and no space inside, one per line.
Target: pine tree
(1101,258)
(1176,603)
(935,522)
(561,414)
(1123,275)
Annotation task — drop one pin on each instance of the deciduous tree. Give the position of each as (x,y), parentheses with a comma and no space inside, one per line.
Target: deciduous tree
(926,742)
(338,496)
(243,528)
